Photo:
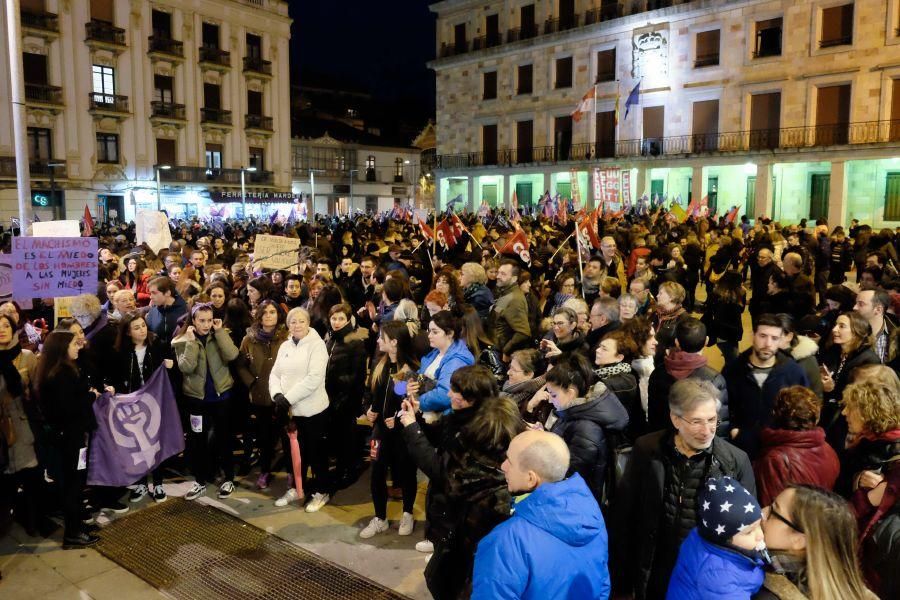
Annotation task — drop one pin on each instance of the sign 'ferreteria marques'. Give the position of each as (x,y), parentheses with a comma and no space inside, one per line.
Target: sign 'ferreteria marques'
(235,196)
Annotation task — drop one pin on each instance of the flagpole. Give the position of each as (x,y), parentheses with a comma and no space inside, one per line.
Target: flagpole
(561,246)
(434,237)
(578,249)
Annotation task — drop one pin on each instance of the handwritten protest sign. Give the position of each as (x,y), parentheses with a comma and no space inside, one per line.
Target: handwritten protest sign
(49,267)
(56,229)
(152,227)
(275,252)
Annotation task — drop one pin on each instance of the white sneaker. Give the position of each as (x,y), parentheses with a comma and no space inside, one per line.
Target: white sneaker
(195,492)
(425,547)
(138,493)
(375,526)
(406,524)
(318,501)
(288,497)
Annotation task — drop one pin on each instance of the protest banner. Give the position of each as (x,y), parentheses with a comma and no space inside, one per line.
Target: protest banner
(275,252)
(606,187)
(135,432)
(54,266)
(152,227)
(626,187)
(56,229)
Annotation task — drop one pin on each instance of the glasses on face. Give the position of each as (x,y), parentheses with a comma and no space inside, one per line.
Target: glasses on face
(700,424)
(771,512)
(560,323)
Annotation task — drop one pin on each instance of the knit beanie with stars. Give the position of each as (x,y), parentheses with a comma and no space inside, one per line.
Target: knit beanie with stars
(725,508)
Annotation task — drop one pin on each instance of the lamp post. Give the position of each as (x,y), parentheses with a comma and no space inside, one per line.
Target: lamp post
(312,191)
(52,166)
(350,203)
(244,190)
(158,194)
(415,180)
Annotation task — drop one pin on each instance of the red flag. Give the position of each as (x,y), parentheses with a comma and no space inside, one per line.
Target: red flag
(588,231)
(458,227)
(88,223)
(732,215)
(693,208)
(426,230)
(517,245)
(445,234)
(584,105)
(563,213)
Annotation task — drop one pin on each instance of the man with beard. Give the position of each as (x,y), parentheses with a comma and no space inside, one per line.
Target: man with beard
(754,378)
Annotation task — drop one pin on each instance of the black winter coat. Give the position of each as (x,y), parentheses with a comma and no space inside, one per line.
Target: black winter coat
(831,419)
(126,376)
(640,503)
(479,297)
(67,403)
(625,386)
(345,374)
(585,428)
(661,382)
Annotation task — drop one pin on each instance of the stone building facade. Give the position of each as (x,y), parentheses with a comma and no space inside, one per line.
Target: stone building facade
(117,88)
(785,108)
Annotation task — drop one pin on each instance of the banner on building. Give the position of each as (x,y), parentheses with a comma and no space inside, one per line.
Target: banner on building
(135,432)
(626,188)
(49,267)
(275,252)
(152,227)
(254,197)
(606,187)
(576,193)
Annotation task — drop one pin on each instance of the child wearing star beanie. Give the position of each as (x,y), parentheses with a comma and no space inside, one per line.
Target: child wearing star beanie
(723,557)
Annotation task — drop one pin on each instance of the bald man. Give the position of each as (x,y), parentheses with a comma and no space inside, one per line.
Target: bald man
(555,544)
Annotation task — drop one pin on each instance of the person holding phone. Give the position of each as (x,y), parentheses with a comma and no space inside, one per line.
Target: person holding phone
(203,349)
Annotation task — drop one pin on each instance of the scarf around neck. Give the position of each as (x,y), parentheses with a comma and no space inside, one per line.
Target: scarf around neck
(613,369)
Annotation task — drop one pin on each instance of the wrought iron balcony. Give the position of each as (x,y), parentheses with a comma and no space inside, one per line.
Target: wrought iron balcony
(454,49)
(215,116)
(606,76)
(40,93)
(603,13)
(206,175)
(165,46)
(258,122)
(521,33)
(561,24)
(167,110)
(108,102)
(487,41)
(40,21)
(253,64)
(104,32)
(42,168)
(788,139)
(706,60)
(215,56)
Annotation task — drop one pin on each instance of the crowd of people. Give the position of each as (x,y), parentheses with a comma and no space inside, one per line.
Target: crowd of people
(577,438)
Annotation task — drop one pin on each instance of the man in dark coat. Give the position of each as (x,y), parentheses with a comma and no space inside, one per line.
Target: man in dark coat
(754,379)
(656,504)
(759,280)
(801,292)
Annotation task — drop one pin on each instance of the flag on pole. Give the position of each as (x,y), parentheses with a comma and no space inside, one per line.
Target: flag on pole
(588,230)
(585,105)
(516,245)
(427,232)
(616,112)
(731,215)
(445,235)
(678,212)
(88,224)
(135,432)
(292,217)
(634,98)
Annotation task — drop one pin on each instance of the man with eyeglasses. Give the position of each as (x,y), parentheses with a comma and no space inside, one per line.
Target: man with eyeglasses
(656,504)
(754,378)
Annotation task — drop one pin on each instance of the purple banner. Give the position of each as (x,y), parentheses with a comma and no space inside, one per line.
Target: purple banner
(50,267)
(135,432)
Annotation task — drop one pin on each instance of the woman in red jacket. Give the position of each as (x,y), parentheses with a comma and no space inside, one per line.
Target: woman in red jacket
(793,449)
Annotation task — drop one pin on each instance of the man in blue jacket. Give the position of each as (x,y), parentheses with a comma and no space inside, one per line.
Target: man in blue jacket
(554,545)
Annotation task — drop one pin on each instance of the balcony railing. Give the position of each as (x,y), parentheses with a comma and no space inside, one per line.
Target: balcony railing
(521,33)
(487,41)
(215,56)
(253,64)
(42,168)
(163,45)
(706,60)
(42,21)
(790,138)
(562,24)
(167,110)
(204,174)
(101,31)
(108,102)
(43,94)
(258,122)
(454,49)
(606,76)
(838,41)
(215,115)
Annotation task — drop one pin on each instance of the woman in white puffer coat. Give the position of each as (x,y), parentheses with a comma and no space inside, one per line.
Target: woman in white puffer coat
(297,386)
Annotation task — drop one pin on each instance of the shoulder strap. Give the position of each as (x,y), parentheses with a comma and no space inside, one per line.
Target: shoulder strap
(782,587)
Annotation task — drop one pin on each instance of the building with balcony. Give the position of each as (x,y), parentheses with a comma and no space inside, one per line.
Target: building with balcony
(120,92)
(784,108)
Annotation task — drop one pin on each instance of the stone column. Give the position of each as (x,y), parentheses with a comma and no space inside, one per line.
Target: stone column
(507,193)
(473,202)
(764,200)
(837,193)
(697,184)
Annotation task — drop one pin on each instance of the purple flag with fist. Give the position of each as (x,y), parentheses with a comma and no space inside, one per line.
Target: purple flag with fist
(135,432)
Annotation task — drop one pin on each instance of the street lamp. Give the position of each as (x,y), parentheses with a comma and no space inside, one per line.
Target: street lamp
(415,181)
(244,190)
(52,166)
(312,190)
(350,203)
(158,195)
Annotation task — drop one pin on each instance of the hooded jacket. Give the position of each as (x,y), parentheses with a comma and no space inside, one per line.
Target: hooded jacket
(195,358)
(480,298)
(678,365)
(299,374)
(163,320)
(706,571)
(345,375)
(259,358)
(805,354)
(787,456)
(457,355)
(554,546)
(585,427)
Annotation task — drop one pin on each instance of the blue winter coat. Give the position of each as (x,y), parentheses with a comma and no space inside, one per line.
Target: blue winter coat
(457,356)
(705,571)
(554,546)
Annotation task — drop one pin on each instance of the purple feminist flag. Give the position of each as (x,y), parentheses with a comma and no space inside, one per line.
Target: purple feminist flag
(135,432)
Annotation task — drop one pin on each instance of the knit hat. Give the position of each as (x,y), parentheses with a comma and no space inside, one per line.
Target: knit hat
(726,507)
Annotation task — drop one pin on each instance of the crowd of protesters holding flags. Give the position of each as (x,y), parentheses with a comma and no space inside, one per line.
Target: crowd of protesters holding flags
(550,374)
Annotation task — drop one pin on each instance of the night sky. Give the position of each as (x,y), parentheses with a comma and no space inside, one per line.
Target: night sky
(380,46)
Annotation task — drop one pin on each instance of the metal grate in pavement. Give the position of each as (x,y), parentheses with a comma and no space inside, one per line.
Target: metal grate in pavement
(192,551)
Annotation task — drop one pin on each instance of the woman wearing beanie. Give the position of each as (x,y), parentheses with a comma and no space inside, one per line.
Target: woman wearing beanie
(723,556)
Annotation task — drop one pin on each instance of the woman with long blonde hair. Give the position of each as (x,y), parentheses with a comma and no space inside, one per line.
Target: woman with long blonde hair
(811,536)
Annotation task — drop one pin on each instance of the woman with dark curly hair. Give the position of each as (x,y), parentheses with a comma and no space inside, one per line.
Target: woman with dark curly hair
(447,282)
(642,332)
(793,449)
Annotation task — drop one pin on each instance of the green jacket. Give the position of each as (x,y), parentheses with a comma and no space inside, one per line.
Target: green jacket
(194,358)
(509,320)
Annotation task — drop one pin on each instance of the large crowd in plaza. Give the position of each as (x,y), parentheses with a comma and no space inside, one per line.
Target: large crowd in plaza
(551,380)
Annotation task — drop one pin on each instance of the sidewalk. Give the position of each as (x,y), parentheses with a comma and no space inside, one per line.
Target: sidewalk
(39,569)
